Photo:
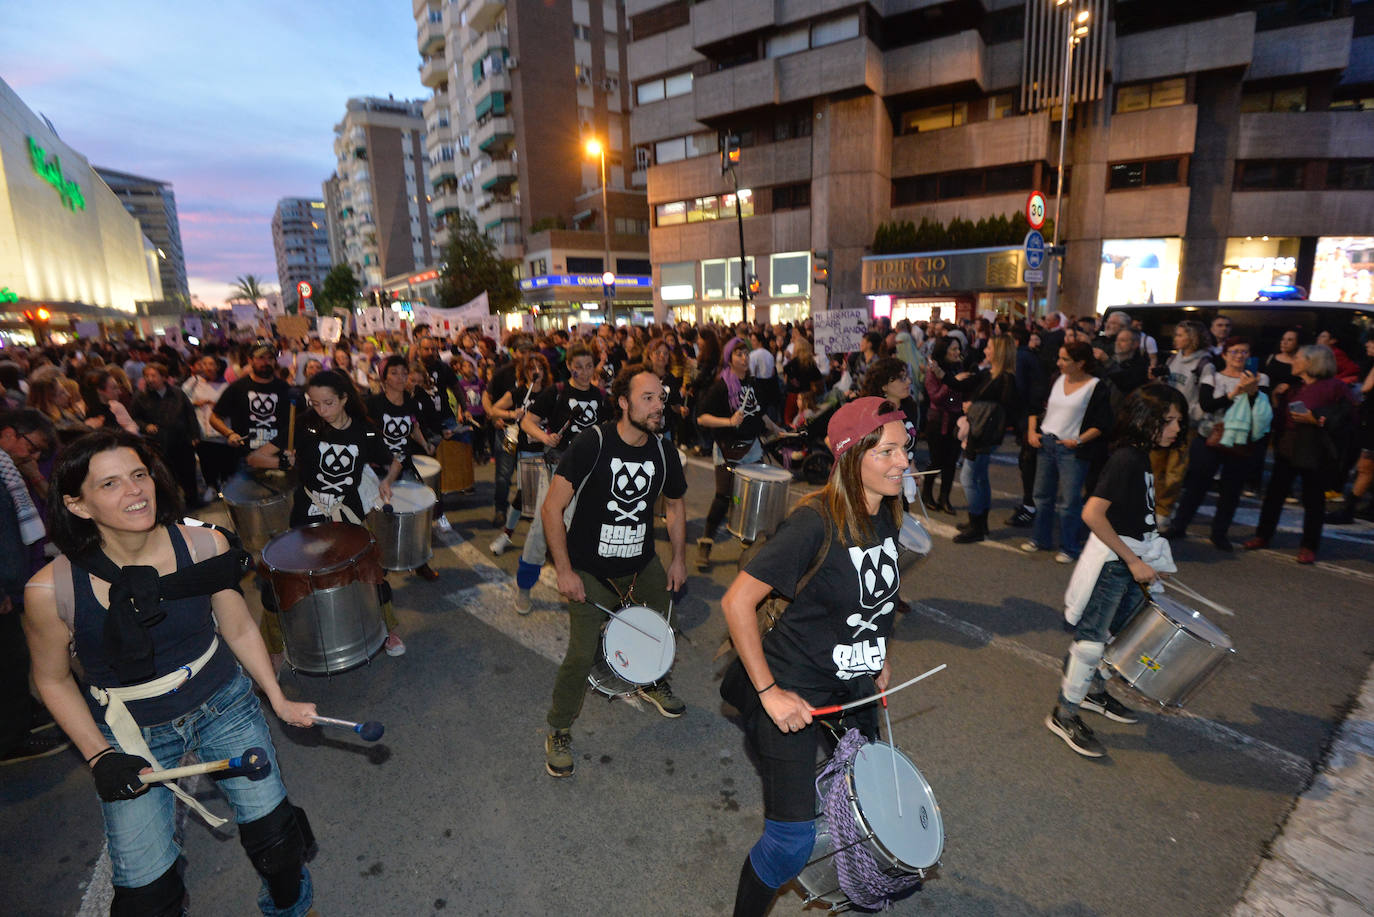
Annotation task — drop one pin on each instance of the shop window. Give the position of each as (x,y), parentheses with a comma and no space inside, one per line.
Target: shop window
(720,277)
(1350,174)
(789,274)
(1158,94)
(678,282)
(934,118)
(1144,174)
(792,197)
(1270,175)
(1291,99)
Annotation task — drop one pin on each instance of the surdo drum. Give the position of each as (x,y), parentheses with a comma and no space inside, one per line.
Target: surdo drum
(404,533)
(860,820)
(1167,651)
(259,504)
(759,501)
(637,649)
(325,578)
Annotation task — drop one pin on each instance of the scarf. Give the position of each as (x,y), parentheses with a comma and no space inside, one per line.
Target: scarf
(30,523)
(732,382)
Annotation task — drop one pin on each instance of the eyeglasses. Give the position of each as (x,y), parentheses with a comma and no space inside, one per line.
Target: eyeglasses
(38,448)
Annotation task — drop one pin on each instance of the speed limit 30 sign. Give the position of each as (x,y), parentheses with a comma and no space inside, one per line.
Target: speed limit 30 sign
(1035,210)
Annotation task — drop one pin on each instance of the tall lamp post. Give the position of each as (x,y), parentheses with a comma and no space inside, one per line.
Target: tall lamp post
(1075,28)
(596,150)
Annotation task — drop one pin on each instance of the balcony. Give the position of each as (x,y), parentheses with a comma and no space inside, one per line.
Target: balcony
(737,89)
(497,211)
(720,20)
(500,173)
(484,43)
(975,146)
(430,37)
(482,14)
(436,104)
(842,67)
(1211,44)
(493,136)
(1309,48)
(442,172)
(492,82)
(1305,134)
(444,202)
(433,71)
(949,61)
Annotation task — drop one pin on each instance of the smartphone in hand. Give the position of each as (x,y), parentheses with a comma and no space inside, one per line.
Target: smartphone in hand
(1252,365)
(1297,407)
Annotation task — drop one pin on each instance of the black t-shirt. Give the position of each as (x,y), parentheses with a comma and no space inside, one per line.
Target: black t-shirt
(330,462)
(395,421)
(566,405)
(911,415)
(430,411)
(1127,483)
(257,411)
(502,381)
(716,402)
(837,629)
(801,378)
(445,379)
(612,530)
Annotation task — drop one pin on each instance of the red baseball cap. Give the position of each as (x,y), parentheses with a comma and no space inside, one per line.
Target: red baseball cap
(857,419)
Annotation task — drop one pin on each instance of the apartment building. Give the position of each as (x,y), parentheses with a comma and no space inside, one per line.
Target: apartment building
(1212,148)
(300,239)
(154,205)
(519,88)
(382,189)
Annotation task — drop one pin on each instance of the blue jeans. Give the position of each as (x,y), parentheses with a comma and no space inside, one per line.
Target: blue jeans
(505,472)
(1059,476)
(1115,599)
(977,487)
(140,830)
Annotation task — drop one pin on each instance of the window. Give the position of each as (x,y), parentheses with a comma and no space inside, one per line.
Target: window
(671,214)
(666,151)
(1269,175)
(795,124)
(1144,173)
(1291,99)
(585,265)
(1159,94)
(678,282)
(790,274)
(788,42)
(539,267)
(1001,106)
(633,266)
(792,197)
(923,189)
(720,277)
(835,30)
(1350,174)
(663,88)
(703,209)
(934,118)
(583,32)
(627,226)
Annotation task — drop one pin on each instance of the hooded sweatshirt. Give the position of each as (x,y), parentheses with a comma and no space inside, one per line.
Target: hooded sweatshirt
(1185,374)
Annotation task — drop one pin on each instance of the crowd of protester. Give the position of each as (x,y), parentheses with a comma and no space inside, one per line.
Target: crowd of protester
(1259,422)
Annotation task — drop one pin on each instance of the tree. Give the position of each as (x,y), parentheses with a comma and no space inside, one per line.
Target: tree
(248,287)
(471,265)
(340,291)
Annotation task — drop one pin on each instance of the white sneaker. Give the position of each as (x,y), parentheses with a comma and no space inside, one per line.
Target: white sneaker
(1062,558)
(1029,547)
(395,646)
(500,543)
(442,524)
(522,601)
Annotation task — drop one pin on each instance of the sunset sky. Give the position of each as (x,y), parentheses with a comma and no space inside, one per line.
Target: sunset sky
(234,104)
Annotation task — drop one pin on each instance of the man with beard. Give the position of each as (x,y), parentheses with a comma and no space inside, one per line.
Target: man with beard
(605,555)
(253,409)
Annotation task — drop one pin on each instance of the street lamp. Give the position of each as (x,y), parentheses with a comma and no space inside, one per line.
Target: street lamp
(596,150)
(1075,29)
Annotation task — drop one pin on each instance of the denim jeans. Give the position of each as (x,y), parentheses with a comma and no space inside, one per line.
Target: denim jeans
(977,487)
(140,830)
(1059,476)
(505,471)
(1115,599)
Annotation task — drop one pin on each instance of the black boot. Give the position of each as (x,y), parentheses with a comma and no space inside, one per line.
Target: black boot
(752,896)
(944,506)
(977,529)
(928,491)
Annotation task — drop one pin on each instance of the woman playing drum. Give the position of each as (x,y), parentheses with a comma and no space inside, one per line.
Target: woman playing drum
(830,645)
(169,683)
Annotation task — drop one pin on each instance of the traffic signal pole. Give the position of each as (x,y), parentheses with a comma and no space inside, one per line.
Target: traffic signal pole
(729,158)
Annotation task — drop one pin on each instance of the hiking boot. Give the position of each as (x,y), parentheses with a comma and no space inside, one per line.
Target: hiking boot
(558,756)
(977,529)
(500,543)
(703,554)
(1110,707)
(36,745)
(1023,517)
(1075,734)
(661,696)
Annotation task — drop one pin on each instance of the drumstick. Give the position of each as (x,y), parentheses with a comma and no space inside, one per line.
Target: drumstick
(626,621)
(291,428)
(836,708)
(371,731)
(254,764)
(892,740)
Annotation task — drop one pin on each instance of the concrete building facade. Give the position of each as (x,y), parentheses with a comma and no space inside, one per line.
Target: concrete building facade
(1212,148)
(300,238)
(383,204)
(154,205)
(519,87)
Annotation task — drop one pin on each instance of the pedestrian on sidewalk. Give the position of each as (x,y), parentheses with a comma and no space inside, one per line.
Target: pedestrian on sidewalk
(604,553)
(992,403)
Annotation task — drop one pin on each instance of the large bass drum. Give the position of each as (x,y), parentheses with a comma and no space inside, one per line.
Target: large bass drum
(759,501)
(1167,651)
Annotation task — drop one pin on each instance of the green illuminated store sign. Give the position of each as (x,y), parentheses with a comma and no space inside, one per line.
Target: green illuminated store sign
(8,296)
(50,170)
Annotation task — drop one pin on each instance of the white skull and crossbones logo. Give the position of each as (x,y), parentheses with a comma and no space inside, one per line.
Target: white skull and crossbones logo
(337,464)
(878,583)
(630,483)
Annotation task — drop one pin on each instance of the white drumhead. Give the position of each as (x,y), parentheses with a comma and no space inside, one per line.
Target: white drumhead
(916,837)
(425,465)
(638,644)
(763,473)
(409,497)
(1191,621)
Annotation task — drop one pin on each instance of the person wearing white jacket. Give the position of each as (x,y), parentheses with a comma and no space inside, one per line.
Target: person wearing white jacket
(1123,555)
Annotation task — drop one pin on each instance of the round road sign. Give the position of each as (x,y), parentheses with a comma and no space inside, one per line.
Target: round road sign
(1035,210)
(305,290)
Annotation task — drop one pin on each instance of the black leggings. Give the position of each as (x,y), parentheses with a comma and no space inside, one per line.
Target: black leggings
(944,455)
(720,503)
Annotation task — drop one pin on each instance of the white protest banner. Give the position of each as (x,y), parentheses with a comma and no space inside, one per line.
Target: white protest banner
(527,322)
(87,329)
(330,328)
(193,326)
(838,331)
(491,326)
(370,321)
(172,335)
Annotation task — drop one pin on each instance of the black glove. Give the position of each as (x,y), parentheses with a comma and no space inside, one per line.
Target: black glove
(116,776)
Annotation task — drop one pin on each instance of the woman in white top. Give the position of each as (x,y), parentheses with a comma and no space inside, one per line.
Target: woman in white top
(1067,431)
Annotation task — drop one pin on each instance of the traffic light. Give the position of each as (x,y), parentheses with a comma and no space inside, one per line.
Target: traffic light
(820,268)
(38,320)
(729,151)
(753,286)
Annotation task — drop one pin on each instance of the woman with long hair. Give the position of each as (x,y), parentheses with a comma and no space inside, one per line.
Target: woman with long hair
(801,374)
(944,378)
(797,666)
(105,410)
(890,379)
(1184,373)
(532,376)
(168,674)
(994,389)
(49,395)
(706,372)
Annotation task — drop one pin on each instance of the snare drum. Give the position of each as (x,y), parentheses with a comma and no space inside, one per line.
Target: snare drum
(428,469)
(259,504)
(534,479)
(404,533)
(325,579)
(1167,651)
(864,823)
(637,649)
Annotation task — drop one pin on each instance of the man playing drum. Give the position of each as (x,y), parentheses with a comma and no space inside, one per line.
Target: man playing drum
(830,645)
(253,410)
(605,554)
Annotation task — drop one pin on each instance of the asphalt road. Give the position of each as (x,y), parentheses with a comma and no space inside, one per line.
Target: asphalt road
(452,811)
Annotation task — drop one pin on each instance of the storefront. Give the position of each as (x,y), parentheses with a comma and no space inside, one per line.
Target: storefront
(1255,262)
(1138,271)
(1344,269)
(709,291)
(956,284)
(564,300)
